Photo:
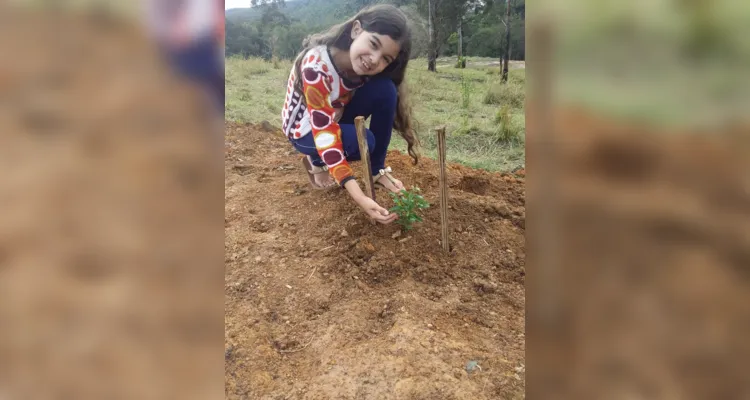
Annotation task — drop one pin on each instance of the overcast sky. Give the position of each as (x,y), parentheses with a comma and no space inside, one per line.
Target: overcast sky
(236,4)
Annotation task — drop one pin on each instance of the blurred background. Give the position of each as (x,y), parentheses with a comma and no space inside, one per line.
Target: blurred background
(638,200)
(111,195)
(668,62)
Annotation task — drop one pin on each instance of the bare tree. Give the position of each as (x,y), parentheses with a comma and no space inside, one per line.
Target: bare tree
(432,48)
(506,56)
(441,22)
(461,63)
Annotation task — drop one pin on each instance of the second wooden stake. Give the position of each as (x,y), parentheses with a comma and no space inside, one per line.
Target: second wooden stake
(443,190)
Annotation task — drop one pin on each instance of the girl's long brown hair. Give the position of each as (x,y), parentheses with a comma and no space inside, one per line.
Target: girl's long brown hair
(383,19)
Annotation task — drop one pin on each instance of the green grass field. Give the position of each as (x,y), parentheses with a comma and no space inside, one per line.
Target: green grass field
(484,119)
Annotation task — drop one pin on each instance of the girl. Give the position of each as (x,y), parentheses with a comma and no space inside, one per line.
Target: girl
(368,53)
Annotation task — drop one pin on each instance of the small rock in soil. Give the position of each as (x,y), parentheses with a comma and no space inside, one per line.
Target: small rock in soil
(503,210)
(471,366)
(369,247)
(485,286)
(344,233)
(396,234)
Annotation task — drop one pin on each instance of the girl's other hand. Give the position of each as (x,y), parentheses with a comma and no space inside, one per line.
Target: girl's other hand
(375,211)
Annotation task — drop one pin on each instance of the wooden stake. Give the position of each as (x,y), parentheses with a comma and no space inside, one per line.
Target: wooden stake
(364,153)
(443,190)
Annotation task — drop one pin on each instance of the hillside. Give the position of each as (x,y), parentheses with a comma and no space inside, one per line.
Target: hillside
(277,31)
(309,12)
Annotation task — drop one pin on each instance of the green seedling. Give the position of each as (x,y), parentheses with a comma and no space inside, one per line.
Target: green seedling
(406,205)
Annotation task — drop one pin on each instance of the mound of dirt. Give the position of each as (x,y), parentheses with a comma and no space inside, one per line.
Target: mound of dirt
(321,304)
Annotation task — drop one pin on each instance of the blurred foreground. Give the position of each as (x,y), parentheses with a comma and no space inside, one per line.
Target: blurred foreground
(110,215)
(639,201)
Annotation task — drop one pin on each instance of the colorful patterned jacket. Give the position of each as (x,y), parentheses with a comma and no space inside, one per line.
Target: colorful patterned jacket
(326,93)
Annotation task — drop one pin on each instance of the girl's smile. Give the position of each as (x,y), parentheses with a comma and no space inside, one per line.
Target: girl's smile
(369,54)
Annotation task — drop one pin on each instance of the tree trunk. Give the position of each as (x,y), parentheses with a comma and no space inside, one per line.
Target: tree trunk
(431,49)
(462,63)
(504,79)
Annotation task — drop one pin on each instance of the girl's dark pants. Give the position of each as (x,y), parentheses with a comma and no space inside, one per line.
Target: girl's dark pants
(375,99)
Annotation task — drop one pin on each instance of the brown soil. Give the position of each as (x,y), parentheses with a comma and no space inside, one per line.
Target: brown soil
(320,304)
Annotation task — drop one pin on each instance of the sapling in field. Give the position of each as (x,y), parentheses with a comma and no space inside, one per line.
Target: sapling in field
(407,203)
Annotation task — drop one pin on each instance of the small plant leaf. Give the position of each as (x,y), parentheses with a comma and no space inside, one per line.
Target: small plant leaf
(406,205)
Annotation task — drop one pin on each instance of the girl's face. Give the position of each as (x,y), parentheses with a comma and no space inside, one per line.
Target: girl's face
(370,52)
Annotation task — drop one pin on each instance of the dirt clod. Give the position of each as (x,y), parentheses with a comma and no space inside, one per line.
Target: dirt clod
(484,286)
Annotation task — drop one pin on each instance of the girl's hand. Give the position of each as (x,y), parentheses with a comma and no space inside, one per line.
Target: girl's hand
(370,207)
(375,211)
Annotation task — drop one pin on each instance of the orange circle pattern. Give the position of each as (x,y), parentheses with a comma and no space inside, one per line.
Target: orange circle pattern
(341,171)
(315,99)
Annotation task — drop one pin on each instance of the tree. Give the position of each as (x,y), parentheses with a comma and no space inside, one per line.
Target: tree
(462,9)
(459,27)
(461,61)
(273,25)
(432,48)
(507,42)
(441,17)
(354,6)
(266,2)
(484,43)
